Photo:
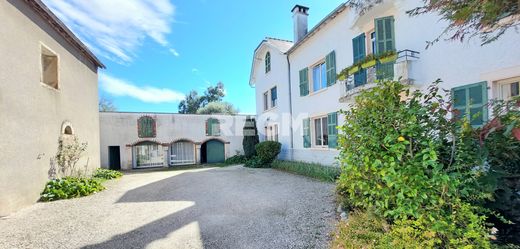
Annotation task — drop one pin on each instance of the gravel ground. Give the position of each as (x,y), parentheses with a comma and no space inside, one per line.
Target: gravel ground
(231,207)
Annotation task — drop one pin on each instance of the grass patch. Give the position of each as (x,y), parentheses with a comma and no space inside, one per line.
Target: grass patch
(314,170)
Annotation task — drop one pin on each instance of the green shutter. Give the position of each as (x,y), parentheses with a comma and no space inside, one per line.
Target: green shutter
(304,82)
(332,124)
(330,61)
(306,133)
(359,52)
(385,37)
(385,41)
(471,102)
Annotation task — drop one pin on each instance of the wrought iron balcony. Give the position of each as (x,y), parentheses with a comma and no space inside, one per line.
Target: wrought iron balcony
(401,69)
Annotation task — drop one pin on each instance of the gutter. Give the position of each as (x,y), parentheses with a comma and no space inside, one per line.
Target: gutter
(290,104)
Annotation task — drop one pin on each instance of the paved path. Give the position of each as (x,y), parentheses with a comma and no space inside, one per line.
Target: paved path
(231,207)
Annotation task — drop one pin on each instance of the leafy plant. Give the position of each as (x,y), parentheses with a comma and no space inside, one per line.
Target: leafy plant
(107,174)
(317,171)
(251,138)
(413,162)
(267,151)
(236,159)
(363,230)
(254,162)
(70,187)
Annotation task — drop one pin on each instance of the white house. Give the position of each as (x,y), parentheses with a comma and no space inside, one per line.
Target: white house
(144,140)
(298,95)
(48,91)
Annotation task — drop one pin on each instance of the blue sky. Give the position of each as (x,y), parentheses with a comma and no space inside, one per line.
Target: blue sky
(158,50)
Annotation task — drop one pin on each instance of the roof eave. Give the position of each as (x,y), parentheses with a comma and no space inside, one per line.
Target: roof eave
(40,8)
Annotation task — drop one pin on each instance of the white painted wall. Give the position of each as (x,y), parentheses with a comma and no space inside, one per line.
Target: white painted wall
(33,113)
(455,63)
(120,129)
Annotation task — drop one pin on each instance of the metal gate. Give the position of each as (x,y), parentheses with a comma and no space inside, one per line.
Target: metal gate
(182,153)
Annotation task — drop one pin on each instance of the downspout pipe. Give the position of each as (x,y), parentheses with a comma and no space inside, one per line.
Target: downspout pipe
(290,106)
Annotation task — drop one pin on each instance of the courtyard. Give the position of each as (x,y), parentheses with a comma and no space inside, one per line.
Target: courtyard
(231,207)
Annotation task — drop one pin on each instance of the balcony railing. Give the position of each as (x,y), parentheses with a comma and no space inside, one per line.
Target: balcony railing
(400,69)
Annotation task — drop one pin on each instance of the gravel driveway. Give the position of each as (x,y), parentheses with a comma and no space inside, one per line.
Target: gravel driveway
(231,207)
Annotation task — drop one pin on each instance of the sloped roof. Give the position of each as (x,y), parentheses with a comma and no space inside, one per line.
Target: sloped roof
(55,23)
(282,45)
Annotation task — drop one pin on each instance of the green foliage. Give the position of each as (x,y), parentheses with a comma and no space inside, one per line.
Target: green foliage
(267,151)
(254,162)
(193,102)
(218,108)
(237,159)
(317,171)
(70,187)
(107,174)
(344,73)
(413,162)
(251,138)
(363,230)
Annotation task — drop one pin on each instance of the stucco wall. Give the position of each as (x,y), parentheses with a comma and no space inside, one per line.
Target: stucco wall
(120,129)
(33,113)
(455,63)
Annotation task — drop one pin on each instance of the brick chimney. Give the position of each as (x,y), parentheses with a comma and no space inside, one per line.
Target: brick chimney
(300,14)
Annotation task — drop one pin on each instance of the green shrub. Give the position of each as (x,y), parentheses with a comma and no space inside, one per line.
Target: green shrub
(318,171)
(70,187)
(237,159)
(268,151)
(362,230)
(254,162)
(251,138)
(403,157)
(107,174)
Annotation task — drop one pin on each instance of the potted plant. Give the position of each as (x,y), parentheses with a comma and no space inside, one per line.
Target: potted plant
(369,61)
(353,69)
(388,56)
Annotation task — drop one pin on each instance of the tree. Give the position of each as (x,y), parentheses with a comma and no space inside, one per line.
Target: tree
(106,105)
(191,103)
(218,108)
(251,138)
(488,19)
(194,102)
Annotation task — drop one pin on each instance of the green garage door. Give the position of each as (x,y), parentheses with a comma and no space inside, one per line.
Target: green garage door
(215,151)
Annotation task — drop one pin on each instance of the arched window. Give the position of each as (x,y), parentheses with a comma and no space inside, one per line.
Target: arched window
(212,127)
(68,130)
(267,62)
(146,127)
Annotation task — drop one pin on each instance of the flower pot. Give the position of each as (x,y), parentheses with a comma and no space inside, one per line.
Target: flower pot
(368,64)
(353,70)
(387,59)
(516,133)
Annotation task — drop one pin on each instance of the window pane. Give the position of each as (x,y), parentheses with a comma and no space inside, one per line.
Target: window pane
(475,95)
(325,131)
(459,97)
(476,116)
(515,91)
(316,78)
(317,132)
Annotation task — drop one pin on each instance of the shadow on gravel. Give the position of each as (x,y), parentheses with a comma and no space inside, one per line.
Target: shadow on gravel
(234,208)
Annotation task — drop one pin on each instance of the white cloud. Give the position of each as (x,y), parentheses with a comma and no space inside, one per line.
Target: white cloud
(174,52)
(148,94)
(116,28)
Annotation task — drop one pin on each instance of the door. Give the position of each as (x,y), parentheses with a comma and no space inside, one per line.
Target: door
(114,158)
(215,151)
(182,153)
(148,154)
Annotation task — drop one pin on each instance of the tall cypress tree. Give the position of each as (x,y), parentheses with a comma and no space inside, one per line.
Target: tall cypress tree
(251,138)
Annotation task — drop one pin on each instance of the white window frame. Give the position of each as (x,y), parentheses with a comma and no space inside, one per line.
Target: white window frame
(313,132)
(323,72)
(58,83)
(501,83)
(266,100)
(275,102)
(272,133)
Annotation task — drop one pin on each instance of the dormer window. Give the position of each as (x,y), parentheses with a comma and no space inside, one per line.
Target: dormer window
(267,62)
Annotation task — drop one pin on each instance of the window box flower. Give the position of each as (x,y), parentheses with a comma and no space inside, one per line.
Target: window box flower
(352,70)
(387,59)
(368,64)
